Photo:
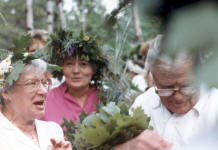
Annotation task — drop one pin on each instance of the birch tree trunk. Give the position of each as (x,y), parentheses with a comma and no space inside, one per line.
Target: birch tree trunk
(50,13)
(29,15)
(82,16)
(136,21)
(62,14)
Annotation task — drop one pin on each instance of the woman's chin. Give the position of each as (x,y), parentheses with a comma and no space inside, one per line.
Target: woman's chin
(39,115)
(76,86)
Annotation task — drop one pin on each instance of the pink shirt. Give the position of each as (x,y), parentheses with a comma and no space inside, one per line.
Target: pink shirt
(60,104)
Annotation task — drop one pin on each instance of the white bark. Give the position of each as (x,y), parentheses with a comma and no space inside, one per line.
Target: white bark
(50,13)
(82,16)
(62,14)
(137,26)
(29,15)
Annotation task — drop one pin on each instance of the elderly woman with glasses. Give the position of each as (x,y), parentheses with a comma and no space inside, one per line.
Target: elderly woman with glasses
(23,103)
(178,111)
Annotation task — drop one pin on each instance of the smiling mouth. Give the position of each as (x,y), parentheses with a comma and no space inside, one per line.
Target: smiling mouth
(76,79)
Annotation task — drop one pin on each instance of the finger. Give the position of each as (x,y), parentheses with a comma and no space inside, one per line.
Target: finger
(59,143)
(67,144)
(53,141)
(56,143)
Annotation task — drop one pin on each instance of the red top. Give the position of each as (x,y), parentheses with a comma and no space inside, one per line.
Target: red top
(60,104)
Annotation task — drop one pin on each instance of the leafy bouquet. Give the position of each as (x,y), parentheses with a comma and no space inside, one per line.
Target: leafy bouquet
(111,126)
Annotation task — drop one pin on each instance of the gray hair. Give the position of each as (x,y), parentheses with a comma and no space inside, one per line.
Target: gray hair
(38,64)
(154,55)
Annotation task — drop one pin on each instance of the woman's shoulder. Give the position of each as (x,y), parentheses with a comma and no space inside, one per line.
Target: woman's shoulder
(57,90)
(49,124)
(50,128)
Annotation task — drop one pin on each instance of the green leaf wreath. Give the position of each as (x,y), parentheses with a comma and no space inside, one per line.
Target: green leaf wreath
(20,57)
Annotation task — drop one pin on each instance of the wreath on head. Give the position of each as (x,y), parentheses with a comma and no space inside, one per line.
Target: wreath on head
(12,63)
(63,44)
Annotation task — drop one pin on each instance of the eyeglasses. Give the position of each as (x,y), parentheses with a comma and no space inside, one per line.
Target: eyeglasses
(188,91)
(34,85)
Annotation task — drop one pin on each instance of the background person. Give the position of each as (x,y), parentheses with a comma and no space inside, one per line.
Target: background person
(39,40)
(24,102)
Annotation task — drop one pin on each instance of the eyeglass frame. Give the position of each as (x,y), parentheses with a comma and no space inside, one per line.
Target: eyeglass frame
(37,84)
(173,90)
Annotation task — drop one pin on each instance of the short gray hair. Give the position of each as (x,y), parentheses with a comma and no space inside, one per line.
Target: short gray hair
(154,54)
(38,64)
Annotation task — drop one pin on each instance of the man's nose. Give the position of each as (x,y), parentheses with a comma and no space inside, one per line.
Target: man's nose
(178,96)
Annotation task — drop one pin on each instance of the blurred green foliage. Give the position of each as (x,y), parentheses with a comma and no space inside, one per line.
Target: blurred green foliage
(14,14)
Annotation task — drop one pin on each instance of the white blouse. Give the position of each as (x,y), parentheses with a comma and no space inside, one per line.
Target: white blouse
(12,138)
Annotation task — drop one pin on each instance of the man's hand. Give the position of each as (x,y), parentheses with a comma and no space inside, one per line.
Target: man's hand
(60,145)
(147,140)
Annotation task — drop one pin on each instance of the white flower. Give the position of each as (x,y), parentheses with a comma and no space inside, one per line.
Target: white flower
(5,65)
(26,54)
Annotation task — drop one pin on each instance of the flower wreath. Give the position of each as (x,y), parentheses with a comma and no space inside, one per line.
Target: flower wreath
(12,66)
(63,43)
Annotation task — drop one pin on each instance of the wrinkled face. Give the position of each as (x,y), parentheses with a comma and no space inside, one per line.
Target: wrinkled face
(37,44)
(27,100)
(172,78)
(78,73)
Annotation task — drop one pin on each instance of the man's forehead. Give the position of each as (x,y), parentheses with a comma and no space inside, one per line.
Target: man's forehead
(172,80)
(169,74)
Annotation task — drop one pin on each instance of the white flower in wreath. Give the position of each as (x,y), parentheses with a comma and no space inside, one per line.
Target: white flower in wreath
(5,66)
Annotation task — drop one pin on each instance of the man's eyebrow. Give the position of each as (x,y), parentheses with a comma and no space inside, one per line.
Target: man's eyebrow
(164,83)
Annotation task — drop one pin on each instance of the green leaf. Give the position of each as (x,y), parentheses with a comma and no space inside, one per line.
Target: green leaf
(93,136)
(22,43)
(52,68)
(139,118)
(16,71)
(4,53)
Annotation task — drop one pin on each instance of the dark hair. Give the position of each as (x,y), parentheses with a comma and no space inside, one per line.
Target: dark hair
(64,44)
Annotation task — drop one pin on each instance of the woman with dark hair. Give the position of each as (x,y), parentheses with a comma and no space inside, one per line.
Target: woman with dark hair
(82,65)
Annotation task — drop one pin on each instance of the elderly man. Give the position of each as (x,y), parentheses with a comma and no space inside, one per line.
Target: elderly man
(178,111)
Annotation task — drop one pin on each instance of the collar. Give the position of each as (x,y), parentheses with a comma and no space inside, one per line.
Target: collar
(156,99)
(204,96)
(69,97)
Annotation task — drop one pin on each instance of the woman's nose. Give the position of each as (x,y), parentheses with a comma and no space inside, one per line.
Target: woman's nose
(43,89)
(76,68)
